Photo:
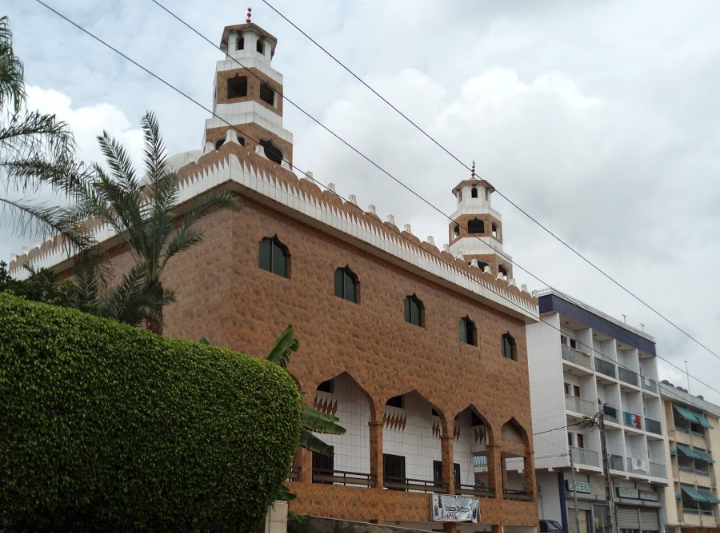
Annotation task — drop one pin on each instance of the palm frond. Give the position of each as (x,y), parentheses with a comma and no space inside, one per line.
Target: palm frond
(285,344)
(314,444)
(155,158)
(319,422)
(128,301)
(31,133)
(64,175)
(12,78)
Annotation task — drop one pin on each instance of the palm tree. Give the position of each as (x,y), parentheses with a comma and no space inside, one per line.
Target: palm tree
(34,148)
(143,212)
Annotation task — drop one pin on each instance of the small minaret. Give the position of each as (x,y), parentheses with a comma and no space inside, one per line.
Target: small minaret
(250,96)
(476,229)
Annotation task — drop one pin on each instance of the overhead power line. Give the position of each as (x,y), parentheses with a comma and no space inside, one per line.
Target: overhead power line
(511,202)
(188,97)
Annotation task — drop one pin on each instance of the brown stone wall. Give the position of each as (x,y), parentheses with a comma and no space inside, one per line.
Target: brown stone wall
(224,296)
(253,88)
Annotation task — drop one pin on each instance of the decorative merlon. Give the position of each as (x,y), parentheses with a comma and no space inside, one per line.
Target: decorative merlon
(431,240)
(408,229)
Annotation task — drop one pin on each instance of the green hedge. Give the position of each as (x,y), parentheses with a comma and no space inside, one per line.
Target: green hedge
(106,427)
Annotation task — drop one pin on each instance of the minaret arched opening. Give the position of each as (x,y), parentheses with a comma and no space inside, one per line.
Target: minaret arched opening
(474,192)
(272,152)
(476,226)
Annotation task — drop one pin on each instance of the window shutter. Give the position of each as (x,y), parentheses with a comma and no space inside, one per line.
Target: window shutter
(408,318)
(279,260)
(349,287)
(339,282)
(265,254)
(463,330)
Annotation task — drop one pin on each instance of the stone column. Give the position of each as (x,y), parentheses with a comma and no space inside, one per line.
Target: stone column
(495,470)
(376,452)
(529,465)
(448,463)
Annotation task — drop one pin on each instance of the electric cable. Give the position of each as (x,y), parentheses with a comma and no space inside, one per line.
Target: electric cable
(516,206)
(185,95)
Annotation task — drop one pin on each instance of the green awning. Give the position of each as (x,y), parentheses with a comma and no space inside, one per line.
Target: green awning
(686,414)
(709,496)
(704,456)
(694,494)
(703,421)
(689,452)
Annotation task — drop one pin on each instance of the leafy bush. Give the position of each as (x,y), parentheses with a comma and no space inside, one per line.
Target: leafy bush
(106,427)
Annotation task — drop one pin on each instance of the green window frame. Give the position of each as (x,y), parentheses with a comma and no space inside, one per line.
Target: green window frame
(414,311)
(274,257)
(347,285)
(468,332)
(509,348)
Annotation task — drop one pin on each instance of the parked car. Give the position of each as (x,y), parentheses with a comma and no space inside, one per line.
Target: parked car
(550,526)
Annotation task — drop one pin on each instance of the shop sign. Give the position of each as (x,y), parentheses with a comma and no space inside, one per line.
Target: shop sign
(626,492)
(579,486)
(448,508)
(648,495)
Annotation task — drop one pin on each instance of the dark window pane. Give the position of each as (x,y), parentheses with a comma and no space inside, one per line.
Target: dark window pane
(259,47)
(349,287)
(265,254)
(470,333)
(407,310)
(237,87)
(457,475)
(339,282)
(463,330)
(327,386)
(267,94)
(473,192)
(279,260)
(240,43)
(394,466)
(396,401)
(437,473)
(322,466)
(476,226)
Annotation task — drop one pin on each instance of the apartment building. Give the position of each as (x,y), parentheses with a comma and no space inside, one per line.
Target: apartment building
(583,362)
(693,433)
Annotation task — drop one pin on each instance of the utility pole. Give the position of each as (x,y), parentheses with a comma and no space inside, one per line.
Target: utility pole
(606,473)
(577,511)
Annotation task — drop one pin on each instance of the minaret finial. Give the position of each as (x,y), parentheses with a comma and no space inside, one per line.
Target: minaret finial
(473,170)
(249,17)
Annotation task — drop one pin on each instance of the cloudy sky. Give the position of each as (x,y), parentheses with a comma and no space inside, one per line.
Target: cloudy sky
(599,118)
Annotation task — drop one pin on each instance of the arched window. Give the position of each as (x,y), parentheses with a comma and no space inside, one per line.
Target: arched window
(414,311)
(274,257)
(495,230)
(503,271)
(237,87)
(473,192)
(482,265)
(456,230)
(508,346)
(267,93)
(272,152)
(346,285)
(476,226)
(219,142)
(240,43)
(260,47)
(468,331)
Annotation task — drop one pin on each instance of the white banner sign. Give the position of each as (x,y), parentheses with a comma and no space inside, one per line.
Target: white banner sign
(446,508)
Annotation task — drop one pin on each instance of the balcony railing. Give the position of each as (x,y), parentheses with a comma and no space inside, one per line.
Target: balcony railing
(341,477)
(604,367)
(514,494)
(617,462)
(579,405)
(690,510)
(585,457)
(480,461)
(574,356)
(658,470)
(628,376)
(404,483)
(637,468)
(649,384)
(653,426)
(632,420)
(479,490)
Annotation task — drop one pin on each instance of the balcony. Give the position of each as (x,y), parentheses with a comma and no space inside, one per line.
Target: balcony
(420,485)
(605,368)
(653,426)
(649,384)
(637,466)
(576,357)
(479,490)
(579,405)
(341,477)
(617,462)
(632,420)
(658,470)
(585,457)
(610,414)
(628,376)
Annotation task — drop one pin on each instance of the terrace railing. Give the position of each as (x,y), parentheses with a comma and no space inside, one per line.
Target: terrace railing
(604,367)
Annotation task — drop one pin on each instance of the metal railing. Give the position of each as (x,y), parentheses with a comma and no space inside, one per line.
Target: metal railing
(574,356)
(515,494)
(479,489)
(341,477)
(404,483)
(579,405)
(632,420)
(604,367)
(617,462)
(701,472)
(653,426)
(585,457)
(649,384)
(480,461)
(658,470)
(294,473)
(628,376)
(636,469)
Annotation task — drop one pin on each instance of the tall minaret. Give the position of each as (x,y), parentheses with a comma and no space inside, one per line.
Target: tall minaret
(476,229)
(250,96)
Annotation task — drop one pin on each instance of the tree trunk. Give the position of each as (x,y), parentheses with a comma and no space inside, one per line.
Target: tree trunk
(155,325)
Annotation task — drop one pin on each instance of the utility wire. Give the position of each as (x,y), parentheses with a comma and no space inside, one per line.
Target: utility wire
(185,95)
(499,252)
(516,206)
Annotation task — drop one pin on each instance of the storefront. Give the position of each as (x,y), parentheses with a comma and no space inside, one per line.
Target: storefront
(637,510)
